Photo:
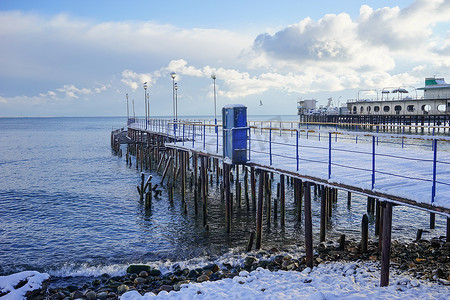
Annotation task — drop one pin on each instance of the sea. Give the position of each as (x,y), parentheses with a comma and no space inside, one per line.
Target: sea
(69,207)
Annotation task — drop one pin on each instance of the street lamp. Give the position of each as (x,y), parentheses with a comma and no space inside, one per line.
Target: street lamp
(213,76)
(145,103)
(176,101)
(148,106)
(173,75)
(128,112)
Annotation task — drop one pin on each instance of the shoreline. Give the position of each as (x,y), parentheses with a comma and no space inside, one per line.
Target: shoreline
(421,260)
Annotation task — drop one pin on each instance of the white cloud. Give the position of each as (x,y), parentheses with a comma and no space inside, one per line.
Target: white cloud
(135,80)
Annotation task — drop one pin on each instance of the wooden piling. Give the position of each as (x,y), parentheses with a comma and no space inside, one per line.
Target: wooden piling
(226,186)
(349,198)
(282,200)
(259,213)
(204,186)
(268,198)
(323,215)
(364,233)
(253,187)
(183,180)
(247,201)
(377,217)
(237,186)
(432,220)
(308,226)
(250,241)
(448,231)
(386,246)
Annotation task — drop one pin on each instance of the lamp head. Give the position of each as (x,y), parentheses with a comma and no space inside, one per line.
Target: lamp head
(173,75)
(213,76)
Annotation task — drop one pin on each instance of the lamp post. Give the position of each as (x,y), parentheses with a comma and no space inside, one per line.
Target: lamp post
(128,111)
(176,101)
(145,103)
(148,106)
(213,76)
(173,75)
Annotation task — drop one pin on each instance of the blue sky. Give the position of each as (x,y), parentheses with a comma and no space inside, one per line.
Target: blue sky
(80,58)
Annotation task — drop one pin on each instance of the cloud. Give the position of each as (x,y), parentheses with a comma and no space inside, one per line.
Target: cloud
(135,80)
(338,49)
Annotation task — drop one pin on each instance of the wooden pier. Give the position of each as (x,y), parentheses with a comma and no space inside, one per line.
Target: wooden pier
(194,150)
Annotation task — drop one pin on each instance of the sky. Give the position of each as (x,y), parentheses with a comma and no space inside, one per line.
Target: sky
(81,58)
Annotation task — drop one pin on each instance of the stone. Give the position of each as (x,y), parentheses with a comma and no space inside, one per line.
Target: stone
(102,295)
(143,274)
(166,287)
(91,295)
(203,278)
(154,272)
(139,280)
(96,282)
(122,289)
(71,288)
(212,267)
(138,268)
(193,274)
(76,295)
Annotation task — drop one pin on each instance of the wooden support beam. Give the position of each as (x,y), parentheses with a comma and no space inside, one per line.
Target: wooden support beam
(259,213)
(253,187)
(226,186)
(323,215)
(386,247)
(364,233)
(282,200)
(204,183)
(308,226)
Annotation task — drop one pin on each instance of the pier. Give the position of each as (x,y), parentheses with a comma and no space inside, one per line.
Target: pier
(390,169)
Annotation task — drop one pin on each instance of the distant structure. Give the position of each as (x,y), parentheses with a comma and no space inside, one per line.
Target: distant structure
(435,101)
(396,106)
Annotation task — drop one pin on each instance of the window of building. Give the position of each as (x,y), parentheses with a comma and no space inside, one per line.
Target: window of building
(410,108)
(386,108)
(376,108)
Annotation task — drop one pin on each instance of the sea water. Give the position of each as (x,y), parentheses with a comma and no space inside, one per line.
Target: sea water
(69,207)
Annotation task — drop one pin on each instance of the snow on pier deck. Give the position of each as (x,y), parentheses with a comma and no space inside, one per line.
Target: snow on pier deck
(406,169)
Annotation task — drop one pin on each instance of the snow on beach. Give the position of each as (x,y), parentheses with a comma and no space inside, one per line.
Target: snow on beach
(334,280)
(16,286)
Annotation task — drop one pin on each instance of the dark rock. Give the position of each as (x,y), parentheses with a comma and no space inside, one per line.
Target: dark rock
(122,289)
(166,288)
(76,295)
(154,272)
(143,274)
(138,268)
(212,267)
(90,295)
(202,278)
(39,293)
(71,288)
(96,282)
(193,274)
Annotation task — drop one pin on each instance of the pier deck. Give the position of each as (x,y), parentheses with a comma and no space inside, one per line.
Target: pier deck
(405,169)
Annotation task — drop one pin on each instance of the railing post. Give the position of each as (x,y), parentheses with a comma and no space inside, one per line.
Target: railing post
(433,189)
(249,142)
(217,137)
(204,136)
(270,144)
(373,162)
(183,134)
(329,155)
(296,148)
(193,135)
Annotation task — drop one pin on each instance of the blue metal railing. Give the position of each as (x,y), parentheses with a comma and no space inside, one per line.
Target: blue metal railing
(297,150)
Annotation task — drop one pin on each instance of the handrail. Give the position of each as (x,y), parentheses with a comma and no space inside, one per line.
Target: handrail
(270,145)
